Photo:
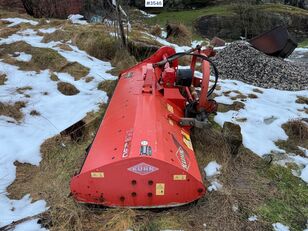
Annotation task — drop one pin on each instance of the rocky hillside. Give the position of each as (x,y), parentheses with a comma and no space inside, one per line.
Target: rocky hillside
(249,21)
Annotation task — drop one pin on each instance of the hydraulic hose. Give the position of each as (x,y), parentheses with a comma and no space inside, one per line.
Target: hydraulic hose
(203,57)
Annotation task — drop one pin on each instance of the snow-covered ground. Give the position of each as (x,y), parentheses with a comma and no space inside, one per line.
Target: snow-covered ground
(17,21)
(147,15)
(20,140)
(262,117)
(77,19)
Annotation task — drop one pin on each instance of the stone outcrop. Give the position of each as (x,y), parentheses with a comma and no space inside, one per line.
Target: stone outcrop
(233,26)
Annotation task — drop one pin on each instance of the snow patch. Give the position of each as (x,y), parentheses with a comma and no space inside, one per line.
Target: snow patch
(253,218)
(29,226)
(304,150)
(77,19)
(215,185)
(48,30)
(280,227)
(212,169)
(13,210)
(17,21)
(147,15)
(23,57)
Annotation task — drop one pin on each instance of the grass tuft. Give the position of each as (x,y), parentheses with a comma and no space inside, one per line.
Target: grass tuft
(75,69)
(35,113)
(97,44)
(108,86)
(54,77)
(302,100)
(58,35)
(12,110)
(42,58)
(235,106)
(3,79)
(178,33)
(156,30)
(67,88)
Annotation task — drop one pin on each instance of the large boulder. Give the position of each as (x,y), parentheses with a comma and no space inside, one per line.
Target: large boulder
(253,22)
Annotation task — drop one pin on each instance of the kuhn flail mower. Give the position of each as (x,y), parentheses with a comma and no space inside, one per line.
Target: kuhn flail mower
(142,155)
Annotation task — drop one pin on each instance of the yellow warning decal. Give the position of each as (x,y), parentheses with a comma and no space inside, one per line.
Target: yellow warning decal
(188,143)
(160,189)
(186,140)
(170,108)
(97,174)
(179,177)
(185,135)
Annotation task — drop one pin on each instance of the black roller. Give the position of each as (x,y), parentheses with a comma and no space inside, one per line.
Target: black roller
(184,77)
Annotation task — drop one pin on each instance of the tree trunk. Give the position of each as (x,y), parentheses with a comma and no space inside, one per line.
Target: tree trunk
(122,33)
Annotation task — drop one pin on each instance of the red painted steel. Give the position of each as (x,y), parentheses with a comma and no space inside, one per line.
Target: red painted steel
(140,156)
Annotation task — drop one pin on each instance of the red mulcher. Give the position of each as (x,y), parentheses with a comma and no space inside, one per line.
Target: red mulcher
(142,155)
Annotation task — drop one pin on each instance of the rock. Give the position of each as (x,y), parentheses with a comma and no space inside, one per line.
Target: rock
(241,61)
(233,136)
(217,42)
(254,22)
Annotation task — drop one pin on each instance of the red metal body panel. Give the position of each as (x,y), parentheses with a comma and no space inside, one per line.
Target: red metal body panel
(140,157)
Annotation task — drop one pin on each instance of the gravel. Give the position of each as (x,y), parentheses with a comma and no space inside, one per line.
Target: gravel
(242,62)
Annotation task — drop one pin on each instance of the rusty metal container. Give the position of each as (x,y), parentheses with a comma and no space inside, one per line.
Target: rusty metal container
(276,42)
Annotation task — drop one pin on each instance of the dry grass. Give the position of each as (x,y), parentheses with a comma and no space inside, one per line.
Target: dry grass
(65,47)
(107,86)
(156,30)
(89,79)
(252,96)
(297,132)
(236,106)
(22,90)
(12,110)
(97,44)
(75,69)
(54,77)
(257,90)
(58,35)
(67,88)
(302,100)
(42,58)
(3,79)
(35,113)
(178,33)
(7,31)
(121,61)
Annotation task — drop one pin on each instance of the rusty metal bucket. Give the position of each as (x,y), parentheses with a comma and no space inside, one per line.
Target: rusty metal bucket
(276,42)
